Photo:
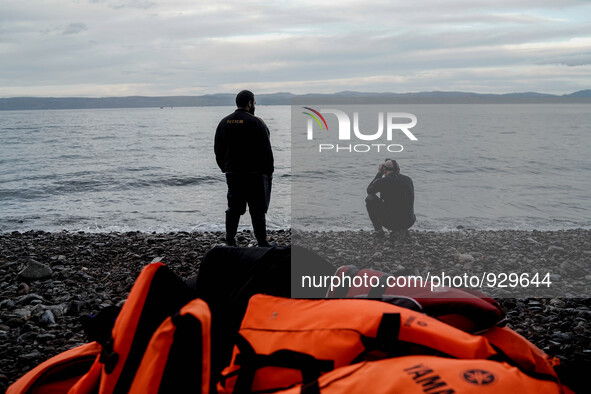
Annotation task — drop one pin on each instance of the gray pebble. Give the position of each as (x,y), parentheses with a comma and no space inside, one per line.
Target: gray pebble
(555,248)
(7,304)
(45,337)
(34,355)
(562,336)
(47,318)
(23,314)
(26,337)
(35,271)
(26,299)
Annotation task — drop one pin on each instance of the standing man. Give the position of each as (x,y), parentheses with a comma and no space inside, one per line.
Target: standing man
(394,209)
(243,152)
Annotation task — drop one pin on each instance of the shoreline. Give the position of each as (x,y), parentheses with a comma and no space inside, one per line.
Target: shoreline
(270,231)
(93,270)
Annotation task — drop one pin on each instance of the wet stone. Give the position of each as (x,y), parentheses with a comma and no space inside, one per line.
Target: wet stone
(45,337)
(15,322)
(27,299)
(35,271)
(47,318)
(23,288)
(76,307)
(34,355)
(27,337)
(7,304)
(561,336)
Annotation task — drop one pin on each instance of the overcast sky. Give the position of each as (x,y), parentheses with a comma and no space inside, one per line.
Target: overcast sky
(98,48)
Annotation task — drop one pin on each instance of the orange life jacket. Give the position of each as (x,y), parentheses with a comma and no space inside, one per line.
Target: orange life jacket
(428,374)
(156,294)
(521,352)
(287,341)
(466,309)
(59,373)
(178,355)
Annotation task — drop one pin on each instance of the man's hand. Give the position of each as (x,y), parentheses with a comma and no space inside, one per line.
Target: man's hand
(381,168)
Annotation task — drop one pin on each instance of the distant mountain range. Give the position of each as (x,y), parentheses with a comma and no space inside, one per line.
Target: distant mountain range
(283,98)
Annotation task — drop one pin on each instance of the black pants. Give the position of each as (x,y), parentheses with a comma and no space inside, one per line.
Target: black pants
(253,190)
(380,217)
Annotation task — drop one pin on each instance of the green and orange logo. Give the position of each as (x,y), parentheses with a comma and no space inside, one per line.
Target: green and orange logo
(316,118)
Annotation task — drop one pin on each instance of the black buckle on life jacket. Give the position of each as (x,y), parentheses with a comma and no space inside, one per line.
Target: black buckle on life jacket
(310,367)
(98,328)
(108,357)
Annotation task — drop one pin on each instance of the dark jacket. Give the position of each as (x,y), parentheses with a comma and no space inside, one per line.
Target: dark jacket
(242,144)
(398,193)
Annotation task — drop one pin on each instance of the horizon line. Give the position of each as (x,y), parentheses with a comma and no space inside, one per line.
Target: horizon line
(312,93)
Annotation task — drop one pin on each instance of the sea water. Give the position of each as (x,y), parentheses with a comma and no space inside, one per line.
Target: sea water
(524,166)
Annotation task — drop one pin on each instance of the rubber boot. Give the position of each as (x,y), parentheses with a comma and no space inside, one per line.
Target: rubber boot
(259,226)
(231,228)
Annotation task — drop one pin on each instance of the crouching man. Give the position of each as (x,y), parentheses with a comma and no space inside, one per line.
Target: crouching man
(394,208)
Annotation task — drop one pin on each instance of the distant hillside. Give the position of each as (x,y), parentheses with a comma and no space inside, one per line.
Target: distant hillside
(580,93)
(283,98)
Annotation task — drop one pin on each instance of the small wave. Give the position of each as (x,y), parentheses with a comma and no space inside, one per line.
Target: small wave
(135,169)
(66,157)
(103,137)
(21,128)
(97,182)
(188,181)
(18,195)
(172,181)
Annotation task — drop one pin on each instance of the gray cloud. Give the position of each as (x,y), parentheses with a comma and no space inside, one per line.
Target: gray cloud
(187,47)
(139,4)
(75,28)
(581,59)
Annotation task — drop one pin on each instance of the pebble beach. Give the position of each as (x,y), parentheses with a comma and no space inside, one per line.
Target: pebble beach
(48,280)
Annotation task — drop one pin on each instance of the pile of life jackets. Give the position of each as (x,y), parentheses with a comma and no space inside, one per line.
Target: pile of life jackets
(233,329)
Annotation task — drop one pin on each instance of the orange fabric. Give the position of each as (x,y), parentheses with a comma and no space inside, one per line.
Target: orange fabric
(429,374)
(39,378)
(459,321)
(331,330)
(150,371)
(128,317)
(527,355)
(465,309)
(311,319)
(89,383)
